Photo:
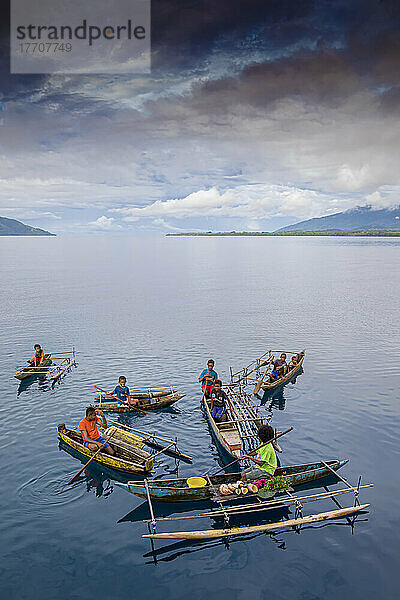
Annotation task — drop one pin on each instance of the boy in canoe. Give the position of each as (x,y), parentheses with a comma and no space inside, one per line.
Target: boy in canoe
(37,357)
(265,461)
(279,366)
(121,391)
(207,378)
(218,402)
(88,429)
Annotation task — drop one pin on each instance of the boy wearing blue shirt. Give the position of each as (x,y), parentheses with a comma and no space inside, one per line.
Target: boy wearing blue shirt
(207,378)
(121,391)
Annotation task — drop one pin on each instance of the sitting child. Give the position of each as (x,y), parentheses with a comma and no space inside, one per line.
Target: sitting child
(279,367)
(265,458)
(218,402)
(121,391)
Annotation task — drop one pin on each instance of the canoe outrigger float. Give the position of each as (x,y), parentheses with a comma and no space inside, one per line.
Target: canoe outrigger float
(253,375)
(54,365)
(146,404)
(206,534)
(280,502)
(178,490)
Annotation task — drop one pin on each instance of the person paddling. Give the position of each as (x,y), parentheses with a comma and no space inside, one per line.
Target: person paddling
(265,460)
(207,378)
(37,357)
(90,435)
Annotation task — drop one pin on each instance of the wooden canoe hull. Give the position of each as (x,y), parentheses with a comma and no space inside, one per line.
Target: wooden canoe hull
(146,394)
(228,444)
(156,404)
(266,386)
(111,462)
(177,490)
(228,532)
(30,371)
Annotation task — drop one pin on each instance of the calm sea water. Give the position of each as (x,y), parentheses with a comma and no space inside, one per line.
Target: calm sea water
(156,310)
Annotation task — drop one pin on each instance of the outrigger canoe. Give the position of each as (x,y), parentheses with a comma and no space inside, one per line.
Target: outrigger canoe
(147,404)
(30,371)
(53,365)
(129,454)
(177,490)
(272,385)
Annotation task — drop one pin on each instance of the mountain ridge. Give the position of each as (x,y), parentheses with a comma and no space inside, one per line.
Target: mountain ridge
(358,218)
(14,227)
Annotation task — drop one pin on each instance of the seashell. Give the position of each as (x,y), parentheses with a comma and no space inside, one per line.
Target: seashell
(224,489)
(252,488)
(244,490)
(238,491)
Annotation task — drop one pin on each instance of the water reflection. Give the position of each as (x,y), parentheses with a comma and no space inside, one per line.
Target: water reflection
(43,384)
(97,482)
(276,398)
(41,381)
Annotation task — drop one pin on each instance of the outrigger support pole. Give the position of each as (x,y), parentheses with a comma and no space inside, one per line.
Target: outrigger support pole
(222,507)
(297,503)
(153,519)
(351,487)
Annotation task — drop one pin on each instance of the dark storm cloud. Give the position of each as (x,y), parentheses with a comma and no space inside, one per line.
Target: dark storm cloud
(254,109)
(187,29)
(12,86)
(318,76)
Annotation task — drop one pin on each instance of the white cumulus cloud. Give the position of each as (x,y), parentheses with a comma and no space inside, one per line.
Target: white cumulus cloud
(105,223)
(248,201)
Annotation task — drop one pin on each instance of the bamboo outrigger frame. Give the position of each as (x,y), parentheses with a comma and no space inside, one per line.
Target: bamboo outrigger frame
(251,374)
(238,434)
(248,416)
(54,371)
(155,441)
(261,506)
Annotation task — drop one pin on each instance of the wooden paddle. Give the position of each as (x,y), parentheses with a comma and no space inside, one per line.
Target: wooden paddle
(255,450)
(89,461)
(259,383)
(139,410)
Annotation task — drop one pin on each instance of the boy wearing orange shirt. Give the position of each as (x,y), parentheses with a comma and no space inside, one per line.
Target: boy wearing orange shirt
(88,429)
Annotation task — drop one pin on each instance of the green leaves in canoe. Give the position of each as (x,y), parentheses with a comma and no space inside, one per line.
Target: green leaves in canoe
(274,486)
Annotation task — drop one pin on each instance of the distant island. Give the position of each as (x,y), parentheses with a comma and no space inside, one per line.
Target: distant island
(14,227)
(368,232)
(360,218)
(358,221)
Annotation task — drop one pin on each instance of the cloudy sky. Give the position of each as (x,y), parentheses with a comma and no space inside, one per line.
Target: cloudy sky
(256,114)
